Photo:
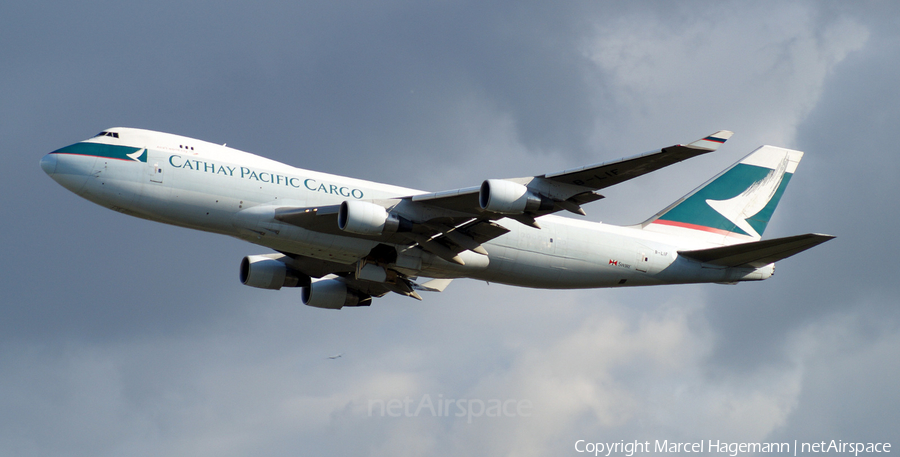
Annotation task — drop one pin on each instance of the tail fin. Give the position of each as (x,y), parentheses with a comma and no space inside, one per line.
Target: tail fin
(736,205)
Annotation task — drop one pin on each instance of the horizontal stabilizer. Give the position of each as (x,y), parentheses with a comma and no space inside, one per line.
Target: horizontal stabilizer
(756,253)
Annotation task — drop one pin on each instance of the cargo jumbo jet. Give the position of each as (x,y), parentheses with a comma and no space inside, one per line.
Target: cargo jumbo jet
(344,241)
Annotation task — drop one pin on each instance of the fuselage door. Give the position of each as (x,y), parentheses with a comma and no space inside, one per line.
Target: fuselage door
(156,172)
(642,262)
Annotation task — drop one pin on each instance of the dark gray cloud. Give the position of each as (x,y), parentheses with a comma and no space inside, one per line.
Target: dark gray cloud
(121,336)
(847,169)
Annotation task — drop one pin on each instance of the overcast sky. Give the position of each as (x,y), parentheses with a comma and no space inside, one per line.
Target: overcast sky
(120,336)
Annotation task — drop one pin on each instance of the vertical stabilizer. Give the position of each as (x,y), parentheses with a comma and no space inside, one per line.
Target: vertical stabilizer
(736,205)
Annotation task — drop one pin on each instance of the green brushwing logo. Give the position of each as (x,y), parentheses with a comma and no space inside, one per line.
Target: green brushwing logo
(741,200)
(745,207)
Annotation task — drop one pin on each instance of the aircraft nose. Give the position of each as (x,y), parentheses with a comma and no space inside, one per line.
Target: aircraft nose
(48,164)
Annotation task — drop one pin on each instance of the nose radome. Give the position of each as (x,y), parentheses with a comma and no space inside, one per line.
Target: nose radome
(48,164)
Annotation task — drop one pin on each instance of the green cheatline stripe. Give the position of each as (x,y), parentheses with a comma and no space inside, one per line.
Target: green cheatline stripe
(694,210)
(109,151)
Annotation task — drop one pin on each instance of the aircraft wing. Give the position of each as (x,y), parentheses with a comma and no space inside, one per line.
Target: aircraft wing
(449,222)
(445,236)
(350,275)
(608,174)
(569,189)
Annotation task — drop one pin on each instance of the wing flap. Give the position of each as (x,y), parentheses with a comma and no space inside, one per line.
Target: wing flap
(483,231)
(757,253)
(434,285)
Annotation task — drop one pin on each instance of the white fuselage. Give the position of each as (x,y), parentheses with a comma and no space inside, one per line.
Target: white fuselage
(209,187)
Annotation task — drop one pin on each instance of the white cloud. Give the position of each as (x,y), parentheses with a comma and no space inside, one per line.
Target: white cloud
(756,69)
(764,67)
(627,374)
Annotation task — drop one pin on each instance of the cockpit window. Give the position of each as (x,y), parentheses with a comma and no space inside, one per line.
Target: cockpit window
(112,134)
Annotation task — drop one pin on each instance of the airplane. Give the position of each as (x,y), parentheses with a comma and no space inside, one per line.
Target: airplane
(343,241)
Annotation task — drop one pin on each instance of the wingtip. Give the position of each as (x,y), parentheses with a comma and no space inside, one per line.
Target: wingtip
(713,141)
(723,134)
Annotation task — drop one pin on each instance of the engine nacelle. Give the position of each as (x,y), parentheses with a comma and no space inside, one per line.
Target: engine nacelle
(507,197)
(332,294)
(364,218)
(267,273)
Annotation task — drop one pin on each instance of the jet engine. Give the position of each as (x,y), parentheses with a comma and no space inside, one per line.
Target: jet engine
(507,197)
(364,218)
(332,294)
(265,272)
